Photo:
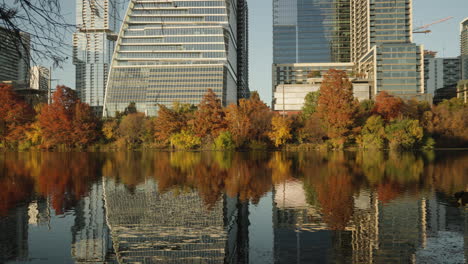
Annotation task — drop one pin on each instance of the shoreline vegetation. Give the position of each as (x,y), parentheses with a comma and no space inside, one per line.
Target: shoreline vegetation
(330,119)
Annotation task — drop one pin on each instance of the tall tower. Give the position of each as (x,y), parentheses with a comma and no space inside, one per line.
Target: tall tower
(14,56)
(382,46)
(175,51)
(93,46)
(464,48)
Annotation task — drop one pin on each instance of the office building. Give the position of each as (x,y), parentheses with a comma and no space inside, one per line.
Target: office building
(175,51)
(383,48)
(39,78)
(464,48)
(14,57)
(93,46)
(309,37)
(441,73)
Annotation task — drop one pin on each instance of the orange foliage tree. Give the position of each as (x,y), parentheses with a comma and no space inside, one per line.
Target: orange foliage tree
(171,121)
(337,107)
(209,119)
(15,114)
(388,106)
(250,120)
(67,121)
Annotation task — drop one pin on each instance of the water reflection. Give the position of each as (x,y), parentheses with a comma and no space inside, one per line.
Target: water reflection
(227,207)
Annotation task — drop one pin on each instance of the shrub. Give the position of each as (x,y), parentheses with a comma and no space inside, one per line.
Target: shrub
(373,133)
(404,134)
(224,141)
(185,140)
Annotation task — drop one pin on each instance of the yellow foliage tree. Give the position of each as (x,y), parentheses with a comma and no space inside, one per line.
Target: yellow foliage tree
(281,130)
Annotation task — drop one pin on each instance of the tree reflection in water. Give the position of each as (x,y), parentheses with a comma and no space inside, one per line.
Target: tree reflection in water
(330,179)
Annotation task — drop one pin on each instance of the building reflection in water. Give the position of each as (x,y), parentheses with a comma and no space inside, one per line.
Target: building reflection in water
(210,208)
(173,227)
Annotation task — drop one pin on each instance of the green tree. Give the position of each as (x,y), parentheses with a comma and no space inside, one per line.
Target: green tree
(373,133)
(310,104)
(185,140)
(224,141)
(404,134)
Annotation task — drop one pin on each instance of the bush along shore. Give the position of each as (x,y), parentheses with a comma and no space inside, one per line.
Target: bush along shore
(330,119)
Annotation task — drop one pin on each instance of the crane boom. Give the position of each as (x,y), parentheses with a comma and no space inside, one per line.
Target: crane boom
(433,23)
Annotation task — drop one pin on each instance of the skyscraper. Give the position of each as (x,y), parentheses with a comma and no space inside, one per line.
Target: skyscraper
(93,46)
(40,77)
(382,47)
(308,37)
(464,48)
(175,50)
(14,56)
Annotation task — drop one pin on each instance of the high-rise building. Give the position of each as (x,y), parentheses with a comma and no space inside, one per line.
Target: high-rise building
(14,56)
(383,48)
(441,73)
(175,51)
(464,48)
(40,78)
(308,37)
(93,46)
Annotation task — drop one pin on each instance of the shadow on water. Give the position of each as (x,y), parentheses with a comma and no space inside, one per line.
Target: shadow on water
(181,207)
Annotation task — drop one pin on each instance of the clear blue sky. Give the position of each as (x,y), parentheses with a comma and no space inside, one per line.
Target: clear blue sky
(443,39)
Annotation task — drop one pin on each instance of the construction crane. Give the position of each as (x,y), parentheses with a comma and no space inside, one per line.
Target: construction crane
(419,29)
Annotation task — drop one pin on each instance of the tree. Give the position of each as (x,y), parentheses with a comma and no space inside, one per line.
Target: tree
(185,140)
(171,121)
(248,121)
(373,133)
(404,134)
(132,128)
(130,109)
(15,113)
(281,130)
(310,104)
(388,106)
(209,119)
(312,131)
(450,122)
(67,121)
(337,107)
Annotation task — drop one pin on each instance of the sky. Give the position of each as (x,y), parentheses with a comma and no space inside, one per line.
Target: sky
(445,38)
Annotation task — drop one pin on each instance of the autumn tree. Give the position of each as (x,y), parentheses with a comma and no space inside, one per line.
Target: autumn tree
(67,121)
(171,121)
(373,133)
(449,121)
(337,107)
(15,114)
(388,106)
(132,128)
(281,130)
(209,119)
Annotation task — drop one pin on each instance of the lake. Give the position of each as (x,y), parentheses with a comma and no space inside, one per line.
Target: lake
(234,207)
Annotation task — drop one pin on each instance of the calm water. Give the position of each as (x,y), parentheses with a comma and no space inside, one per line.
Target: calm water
(216,207)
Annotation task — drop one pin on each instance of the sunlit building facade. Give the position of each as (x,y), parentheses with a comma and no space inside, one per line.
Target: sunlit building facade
(93,46)
(383,48)
(171,51)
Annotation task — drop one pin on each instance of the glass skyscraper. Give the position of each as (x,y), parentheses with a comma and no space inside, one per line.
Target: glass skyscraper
(382,46)
(93,46)
(306,31)
(175,51)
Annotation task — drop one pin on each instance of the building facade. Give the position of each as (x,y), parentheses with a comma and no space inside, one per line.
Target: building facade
(93,46)
(171,51)
(39,78)
(14,56)
(308,36)
(441,72)
(464,48)
(383,47)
